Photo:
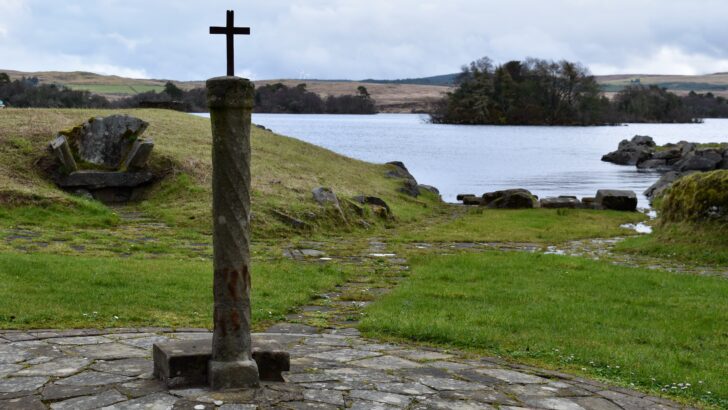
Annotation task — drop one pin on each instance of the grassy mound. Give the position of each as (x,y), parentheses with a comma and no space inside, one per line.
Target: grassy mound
(284,170)
(701,197)
(693,222)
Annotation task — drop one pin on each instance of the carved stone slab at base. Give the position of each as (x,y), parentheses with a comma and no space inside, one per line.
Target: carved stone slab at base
(185,363)
(104,179)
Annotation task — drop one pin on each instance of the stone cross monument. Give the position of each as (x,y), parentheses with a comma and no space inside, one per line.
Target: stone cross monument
(230,100)
(230,361)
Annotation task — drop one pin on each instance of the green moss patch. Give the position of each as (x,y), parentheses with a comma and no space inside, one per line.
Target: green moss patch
(701,197)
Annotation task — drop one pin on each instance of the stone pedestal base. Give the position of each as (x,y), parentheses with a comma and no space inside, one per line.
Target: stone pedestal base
(233,375)
(188,363)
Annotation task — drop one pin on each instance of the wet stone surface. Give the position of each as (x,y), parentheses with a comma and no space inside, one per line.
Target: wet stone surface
(332,369)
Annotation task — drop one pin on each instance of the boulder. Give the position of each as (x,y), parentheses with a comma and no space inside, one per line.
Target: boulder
(699,160)
(379,206)
(469,199)
(656,189)
(397,169)
(640,148)
(460,197)
(643,140)
(410,187)
(356,208)
(509,199)
(325,196)
(106,141)
(588,202)
(686,147)
(430,188)
(670,153)
(701,197)
(653,164)
(618,200)
(560,202)
(724,164)
(290,221)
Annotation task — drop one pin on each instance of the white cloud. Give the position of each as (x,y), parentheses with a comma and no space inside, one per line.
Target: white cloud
(23,60)
(666,60)
(361,38)
(129,43)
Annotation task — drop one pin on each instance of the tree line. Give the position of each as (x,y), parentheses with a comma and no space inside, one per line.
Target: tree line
(271,98)
(28,92)
(279,98)
(542,92)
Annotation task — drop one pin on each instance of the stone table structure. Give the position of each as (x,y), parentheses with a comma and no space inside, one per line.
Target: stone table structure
(105,157)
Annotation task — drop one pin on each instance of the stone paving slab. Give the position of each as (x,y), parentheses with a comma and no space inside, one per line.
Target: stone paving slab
(57,369)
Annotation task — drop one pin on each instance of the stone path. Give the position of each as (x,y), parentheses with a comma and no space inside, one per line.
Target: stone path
(111,369)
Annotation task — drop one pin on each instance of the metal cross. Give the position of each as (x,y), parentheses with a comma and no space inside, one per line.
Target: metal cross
(230,30)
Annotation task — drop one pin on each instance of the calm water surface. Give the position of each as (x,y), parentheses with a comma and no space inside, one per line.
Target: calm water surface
(549,161)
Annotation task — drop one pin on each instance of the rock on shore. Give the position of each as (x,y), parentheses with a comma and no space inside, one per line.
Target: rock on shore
(519,198)
(677,160)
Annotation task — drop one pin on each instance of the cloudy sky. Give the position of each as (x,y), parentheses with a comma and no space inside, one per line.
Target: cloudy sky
(356,39)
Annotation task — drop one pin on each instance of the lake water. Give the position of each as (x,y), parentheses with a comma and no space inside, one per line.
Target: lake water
(549,161)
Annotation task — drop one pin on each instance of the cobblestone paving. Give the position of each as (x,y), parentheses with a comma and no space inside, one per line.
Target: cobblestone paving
(112,369)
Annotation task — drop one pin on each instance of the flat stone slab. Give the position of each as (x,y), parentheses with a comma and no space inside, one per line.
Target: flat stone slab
(126,367)
(61,367)
(104,399)
(79,340)
(386,363)
(15,384)
(345,355)
(93,378)
(392,399)
(105,179)
(329,370)
(110,351)
(511,376)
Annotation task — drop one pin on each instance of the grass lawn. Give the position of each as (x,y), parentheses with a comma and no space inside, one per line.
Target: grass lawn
(689,243)
(48,291)
(525,225)
(630,326)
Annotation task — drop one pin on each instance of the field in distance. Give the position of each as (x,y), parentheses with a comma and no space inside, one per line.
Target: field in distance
(402,96)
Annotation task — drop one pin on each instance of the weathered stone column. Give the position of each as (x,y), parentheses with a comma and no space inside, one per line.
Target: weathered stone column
(230,100)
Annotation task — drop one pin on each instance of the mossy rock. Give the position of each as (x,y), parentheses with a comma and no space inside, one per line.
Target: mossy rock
(700,197)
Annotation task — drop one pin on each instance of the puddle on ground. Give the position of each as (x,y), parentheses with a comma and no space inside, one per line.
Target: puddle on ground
(640,227)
